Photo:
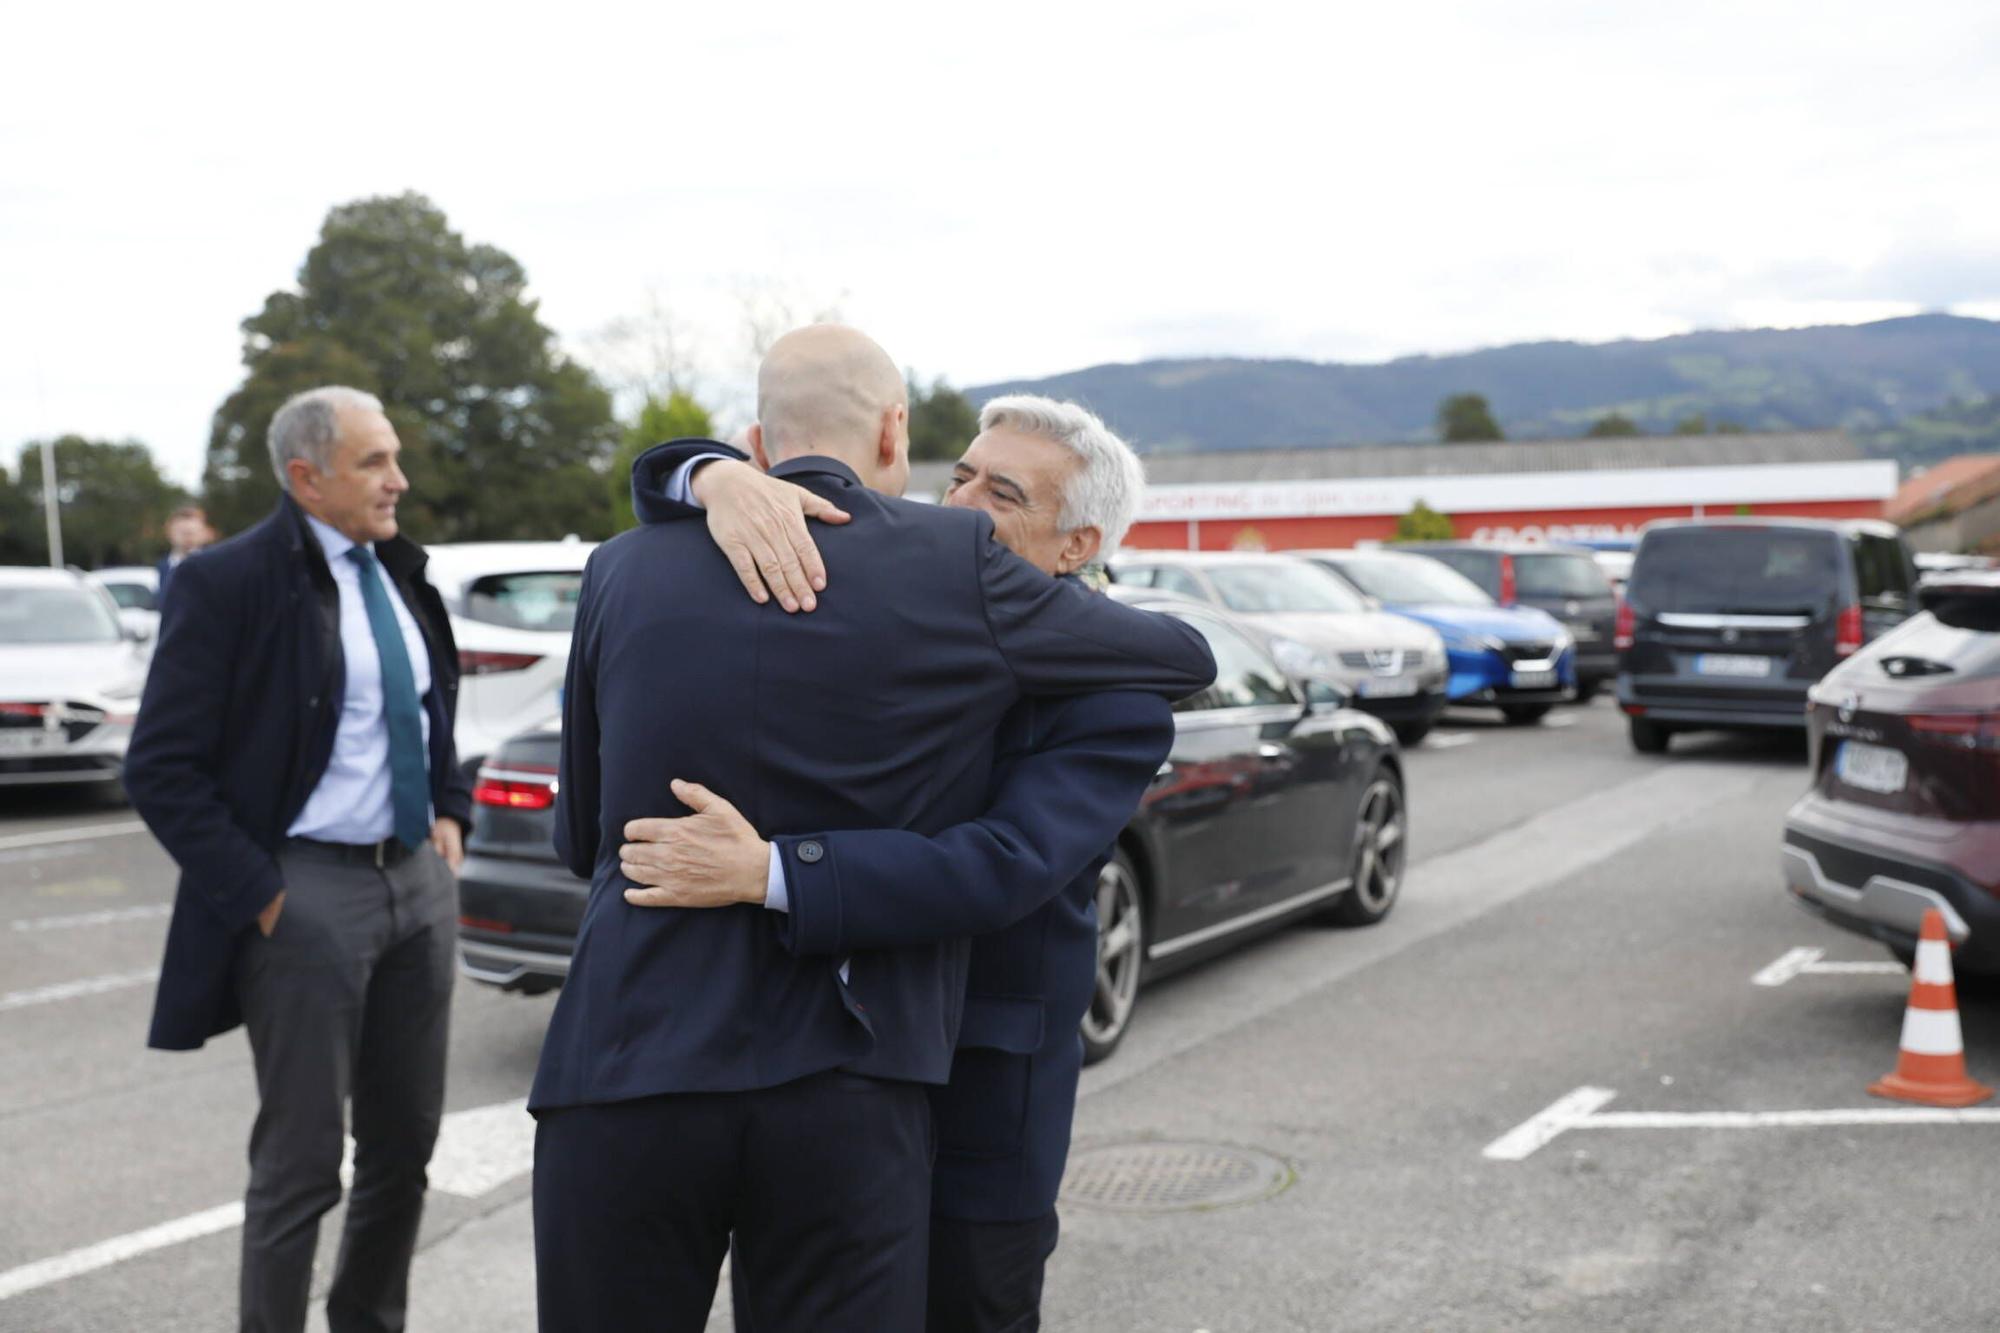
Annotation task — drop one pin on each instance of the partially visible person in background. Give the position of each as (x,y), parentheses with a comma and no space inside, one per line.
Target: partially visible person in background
(187,531)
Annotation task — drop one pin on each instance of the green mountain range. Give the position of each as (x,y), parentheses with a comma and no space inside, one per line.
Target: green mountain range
(1916,389)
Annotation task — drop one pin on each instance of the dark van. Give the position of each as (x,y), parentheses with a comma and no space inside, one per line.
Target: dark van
(1565,581)
(1727,623)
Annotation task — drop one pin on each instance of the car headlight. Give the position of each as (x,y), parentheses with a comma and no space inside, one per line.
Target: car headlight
(1434,654)
(1564,642)
(1298,659)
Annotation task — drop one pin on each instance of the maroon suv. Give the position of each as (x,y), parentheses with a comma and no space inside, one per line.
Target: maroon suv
(1904,809)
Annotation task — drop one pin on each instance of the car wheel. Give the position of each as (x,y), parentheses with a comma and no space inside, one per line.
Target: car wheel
(1412,733)
(1521,715)
(1121,949)
(1381,841)
(1649,737)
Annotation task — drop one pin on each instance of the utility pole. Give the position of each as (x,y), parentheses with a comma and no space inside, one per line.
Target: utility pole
(51,505)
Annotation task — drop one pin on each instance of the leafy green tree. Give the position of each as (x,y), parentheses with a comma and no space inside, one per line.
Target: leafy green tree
(1424,524)
(1465,417)
(113,501)
(23,540)
(679,417)
(1612,426)
(942,421)
(503,436)
(1692,425)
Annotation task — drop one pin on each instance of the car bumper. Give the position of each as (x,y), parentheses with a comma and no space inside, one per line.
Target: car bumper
(518,921)
(1880,882)
(97,756)
(1422,707)
(1674,699)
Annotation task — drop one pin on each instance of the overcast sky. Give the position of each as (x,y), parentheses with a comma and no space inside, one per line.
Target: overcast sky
(994,190)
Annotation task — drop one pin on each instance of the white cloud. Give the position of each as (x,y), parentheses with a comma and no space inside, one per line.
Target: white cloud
(994,193)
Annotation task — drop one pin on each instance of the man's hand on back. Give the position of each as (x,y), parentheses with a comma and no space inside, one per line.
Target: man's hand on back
(711,858)
(760,524)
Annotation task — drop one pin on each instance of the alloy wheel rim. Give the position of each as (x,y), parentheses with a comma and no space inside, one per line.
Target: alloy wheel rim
(1378,865)
(1120,938)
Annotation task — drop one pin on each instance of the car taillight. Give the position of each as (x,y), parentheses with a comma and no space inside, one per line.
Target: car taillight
(1848,633)
(1960,731)
(528,787)
(22,710)
(1507,580)
(1623,633)
(486,664)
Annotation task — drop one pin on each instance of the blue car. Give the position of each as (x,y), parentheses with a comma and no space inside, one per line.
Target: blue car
(1515,658)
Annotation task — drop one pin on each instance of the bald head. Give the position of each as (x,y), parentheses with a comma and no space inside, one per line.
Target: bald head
(830,390)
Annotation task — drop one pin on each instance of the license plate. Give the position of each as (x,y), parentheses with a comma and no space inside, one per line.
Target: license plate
(1534,680)
(1731,664)
(1401,688)
(30,742)
(1871,767)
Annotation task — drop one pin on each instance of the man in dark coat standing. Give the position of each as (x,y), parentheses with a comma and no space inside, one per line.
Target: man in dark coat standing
(294,755)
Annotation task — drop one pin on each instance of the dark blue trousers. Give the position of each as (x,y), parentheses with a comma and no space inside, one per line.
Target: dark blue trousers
(823,1182)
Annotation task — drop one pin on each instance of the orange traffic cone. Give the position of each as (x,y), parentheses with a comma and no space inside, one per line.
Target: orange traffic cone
(1931,1066)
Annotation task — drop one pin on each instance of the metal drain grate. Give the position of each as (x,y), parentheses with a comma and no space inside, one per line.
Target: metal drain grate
(1171,1177)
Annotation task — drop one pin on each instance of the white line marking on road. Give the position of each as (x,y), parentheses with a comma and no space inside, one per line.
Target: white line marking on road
(108,918)
(478,1150)
(74,990)
(1449,740)
(1579,1110)
(1539,1129)
(1810,962)
(1560,720)
(84,834)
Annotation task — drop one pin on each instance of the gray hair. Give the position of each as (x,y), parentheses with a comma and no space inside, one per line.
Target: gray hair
(1104,492)
(307,425)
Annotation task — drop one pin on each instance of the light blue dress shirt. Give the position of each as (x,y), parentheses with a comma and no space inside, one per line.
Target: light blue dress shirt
(777,895)
(351,803)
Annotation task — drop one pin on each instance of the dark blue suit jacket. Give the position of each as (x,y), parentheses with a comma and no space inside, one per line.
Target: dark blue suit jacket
(235,729)
(165,568)
(1023,879)
(879,710)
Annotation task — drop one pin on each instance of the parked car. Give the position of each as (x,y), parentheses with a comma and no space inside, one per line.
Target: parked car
(1613,555)
(1904,809)
(70,679)
(1515,658)
(1315,624)
(512,605)
(1564,581)
(1727,623)
(136,590)
(1278,802)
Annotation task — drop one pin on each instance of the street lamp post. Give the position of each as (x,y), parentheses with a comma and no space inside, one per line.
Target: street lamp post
(51,506)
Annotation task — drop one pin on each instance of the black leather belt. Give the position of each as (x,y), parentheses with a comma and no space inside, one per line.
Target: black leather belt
(380,855)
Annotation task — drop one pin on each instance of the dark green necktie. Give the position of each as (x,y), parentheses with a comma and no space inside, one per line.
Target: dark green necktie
(409,770)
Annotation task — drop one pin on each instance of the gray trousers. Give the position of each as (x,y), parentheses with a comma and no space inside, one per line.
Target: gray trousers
(349,998)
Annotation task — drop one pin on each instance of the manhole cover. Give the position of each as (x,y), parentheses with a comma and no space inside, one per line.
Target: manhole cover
(1169,1177)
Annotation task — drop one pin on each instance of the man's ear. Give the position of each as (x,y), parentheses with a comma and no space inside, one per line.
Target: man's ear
(894,427)
(756,441)
(304,479)
(1079,549)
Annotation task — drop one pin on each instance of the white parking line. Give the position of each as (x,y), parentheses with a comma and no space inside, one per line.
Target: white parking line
(96,918)
(73,990)
(477,1150)
(1448,740)
(84,834)
(1579,1110)
(1808,962)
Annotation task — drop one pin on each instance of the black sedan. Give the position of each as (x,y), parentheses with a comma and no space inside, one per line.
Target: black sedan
(1278,802)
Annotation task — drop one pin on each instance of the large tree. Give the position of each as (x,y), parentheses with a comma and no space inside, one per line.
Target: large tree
(1612,425)
(942,421)
(503,436)
(113,500)
(23,539)
(1465,417)
(678,417)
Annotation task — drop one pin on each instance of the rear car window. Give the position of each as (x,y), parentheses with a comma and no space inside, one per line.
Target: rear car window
(130,596)
(1559,574)
(538,601)
(1750,571)
(1482,567)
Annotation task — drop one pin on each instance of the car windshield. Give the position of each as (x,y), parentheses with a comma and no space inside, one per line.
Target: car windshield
(55,615)
(1742,570)
(1281,586)
(1559,574)
(1410,580)
(538,601)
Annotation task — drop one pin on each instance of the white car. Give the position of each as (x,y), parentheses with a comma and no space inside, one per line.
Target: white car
(136,589)
(70,679)
(512,605)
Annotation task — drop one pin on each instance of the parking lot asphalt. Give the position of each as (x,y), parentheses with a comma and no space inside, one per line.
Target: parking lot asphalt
(1575,916)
